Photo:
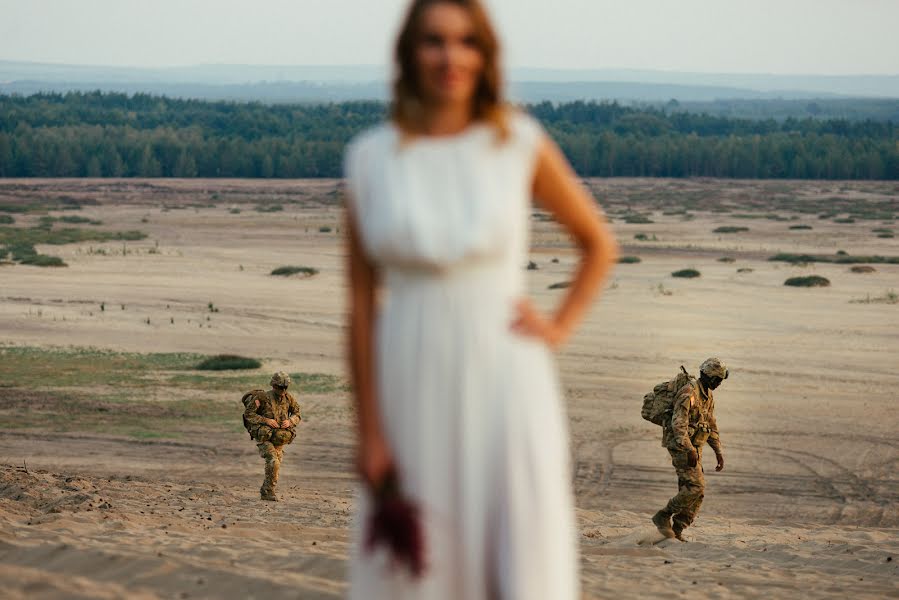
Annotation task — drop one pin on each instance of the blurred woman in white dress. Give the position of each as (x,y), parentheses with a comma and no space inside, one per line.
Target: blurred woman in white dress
(456,391)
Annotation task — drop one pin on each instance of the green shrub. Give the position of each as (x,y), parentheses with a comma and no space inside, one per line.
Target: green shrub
(228,362)
(885,235)
(845,220)
(686,273)
(862,269)
(745,270)
(324,229)
(234,211)
(43,260)
(729,229)
(629,260)
(635,219)
(727,259)
(808,281)
(3,252)
(559,286)
(287,271)
(267,208)
(6,220)
(798,227)
(76,219)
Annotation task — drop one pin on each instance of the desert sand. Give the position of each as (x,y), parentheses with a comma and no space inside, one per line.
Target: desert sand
(808,503)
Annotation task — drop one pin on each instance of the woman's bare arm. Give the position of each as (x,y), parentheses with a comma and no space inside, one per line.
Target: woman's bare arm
(374,456)
(558,190)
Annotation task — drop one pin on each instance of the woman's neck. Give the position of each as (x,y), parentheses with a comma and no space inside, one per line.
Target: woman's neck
(446,119)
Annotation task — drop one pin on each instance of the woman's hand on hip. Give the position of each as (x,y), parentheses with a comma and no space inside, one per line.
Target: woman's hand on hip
(529,322)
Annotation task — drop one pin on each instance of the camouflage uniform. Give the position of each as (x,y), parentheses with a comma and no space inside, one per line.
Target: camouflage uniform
(692,424)
(269,440)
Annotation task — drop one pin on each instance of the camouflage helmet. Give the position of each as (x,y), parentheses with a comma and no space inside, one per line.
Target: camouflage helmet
(714,367)
(280,379)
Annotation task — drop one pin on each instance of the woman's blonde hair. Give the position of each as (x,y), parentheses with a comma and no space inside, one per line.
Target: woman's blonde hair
(487,104)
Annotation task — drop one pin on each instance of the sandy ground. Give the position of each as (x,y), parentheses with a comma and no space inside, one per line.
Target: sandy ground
(808,503)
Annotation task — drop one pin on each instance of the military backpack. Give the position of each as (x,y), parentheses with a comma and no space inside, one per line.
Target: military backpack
(658,404)
(248,399)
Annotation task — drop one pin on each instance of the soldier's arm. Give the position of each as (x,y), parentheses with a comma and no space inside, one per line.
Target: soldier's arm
(250,415)
(714,438)
(680,417)
(294,412)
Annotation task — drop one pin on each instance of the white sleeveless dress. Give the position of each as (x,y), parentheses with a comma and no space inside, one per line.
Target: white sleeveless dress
(471,410)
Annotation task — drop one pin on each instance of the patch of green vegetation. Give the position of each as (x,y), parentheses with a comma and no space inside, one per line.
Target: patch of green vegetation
(729,229)
(269,208)
(862,269)
(6,220)
(26,366)
(43,260)
(234,211)
(885,235)
(20,242)
(800,227)
(289,270)
(844,220)
(842,259)
(58,237)
(228,362)
(561,285)
(808,281)
(745,270)
(686,273)
(882,230)
(629,260)
(324,229)
(727,259)
(637,219)
(78,219)
(646,238)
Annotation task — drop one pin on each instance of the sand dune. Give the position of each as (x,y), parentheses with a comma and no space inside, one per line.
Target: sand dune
(807,505)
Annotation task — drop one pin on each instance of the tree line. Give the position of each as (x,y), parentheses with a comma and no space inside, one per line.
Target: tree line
(117,135)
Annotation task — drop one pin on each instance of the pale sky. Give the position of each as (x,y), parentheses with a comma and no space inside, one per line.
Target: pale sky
(735,36)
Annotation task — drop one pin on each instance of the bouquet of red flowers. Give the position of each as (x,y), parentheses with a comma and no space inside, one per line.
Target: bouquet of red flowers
(395,522)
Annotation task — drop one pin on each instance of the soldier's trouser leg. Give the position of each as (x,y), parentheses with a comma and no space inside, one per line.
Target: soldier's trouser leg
(691,490)
(272,455)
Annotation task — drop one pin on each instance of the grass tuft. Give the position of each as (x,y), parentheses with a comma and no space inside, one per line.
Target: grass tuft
(289,270)
(686,273)
(729,229)
(228,362)
(808,281)
(629,260)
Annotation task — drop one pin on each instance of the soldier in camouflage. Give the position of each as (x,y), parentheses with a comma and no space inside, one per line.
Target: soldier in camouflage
(692,424)
(271,418)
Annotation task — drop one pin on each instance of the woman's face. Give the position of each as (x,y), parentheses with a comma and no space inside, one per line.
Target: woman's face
(447,56)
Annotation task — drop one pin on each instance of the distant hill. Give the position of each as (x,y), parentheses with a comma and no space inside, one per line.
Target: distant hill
(273,83)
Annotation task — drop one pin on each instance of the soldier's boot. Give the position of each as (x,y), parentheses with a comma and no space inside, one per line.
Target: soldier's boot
(678,527)
(662,521)
(272,468)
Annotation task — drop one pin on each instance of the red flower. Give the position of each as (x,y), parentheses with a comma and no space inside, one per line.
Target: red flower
(396,523)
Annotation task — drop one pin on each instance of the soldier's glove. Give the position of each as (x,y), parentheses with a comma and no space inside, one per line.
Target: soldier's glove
(720,458)
(692,457)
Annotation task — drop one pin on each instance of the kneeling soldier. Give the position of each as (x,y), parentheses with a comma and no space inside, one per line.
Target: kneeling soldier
(271,418)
